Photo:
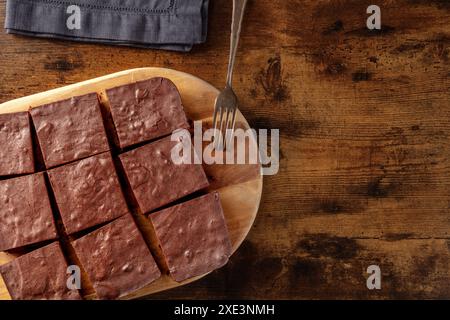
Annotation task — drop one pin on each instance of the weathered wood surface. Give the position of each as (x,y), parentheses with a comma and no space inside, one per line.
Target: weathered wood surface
(364,119)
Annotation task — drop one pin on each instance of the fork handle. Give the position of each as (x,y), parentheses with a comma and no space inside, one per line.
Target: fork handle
(238,16)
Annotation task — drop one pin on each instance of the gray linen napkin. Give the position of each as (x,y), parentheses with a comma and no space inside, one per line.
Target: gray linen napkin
(161,24)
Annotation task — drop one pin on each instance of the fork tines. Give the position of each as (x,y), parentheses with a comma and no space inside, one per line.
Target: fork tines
(223,120)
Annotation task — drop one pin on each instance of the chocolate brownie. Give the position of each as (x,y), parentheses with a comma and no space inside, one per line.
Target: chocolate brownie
(155,179)
(117,259)
(25,213)
(69,130)
(193,236)
(146,110)
(88,192)
(40,274)
(16,151)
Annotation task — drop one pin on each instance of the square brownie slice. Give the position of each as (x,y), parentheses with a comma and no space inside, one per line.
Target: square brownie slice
(26,216)
(117,259)
(69,130)
(155,179)
(88,192)
(16,152)
(193,236)
(146,110)
(40,274)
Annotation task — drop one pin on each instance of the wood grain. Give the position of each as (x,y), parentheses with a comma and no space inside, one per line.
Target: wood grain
(364,123)
(240,198)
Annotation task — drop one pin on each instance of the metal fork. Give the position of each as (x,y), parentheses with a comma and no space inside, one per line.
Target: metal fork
(226,102)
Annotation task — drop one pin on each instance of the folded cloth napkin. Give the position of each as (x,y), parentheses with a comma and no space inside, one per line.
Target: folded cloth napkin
(162,24)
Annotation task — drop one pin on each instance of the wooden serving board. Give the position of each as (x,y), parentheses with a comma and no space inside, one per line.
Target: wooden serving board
(240,186)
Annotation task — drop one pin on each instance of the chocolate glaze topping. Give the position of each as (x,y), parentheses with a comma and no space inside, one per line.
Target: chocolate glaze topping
(193,236)
(155,179)
(70,129)
(41,274)
(16,150)
(117,259)
(146,110)
(88,192)
(25,213)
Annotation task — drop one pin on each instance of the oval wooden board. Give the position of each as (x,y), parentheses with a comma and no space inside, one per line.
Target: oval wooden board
(240,186)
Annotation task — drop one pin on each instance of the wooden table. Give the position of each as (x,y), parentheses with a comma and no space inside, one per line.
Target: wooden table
(364,119)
